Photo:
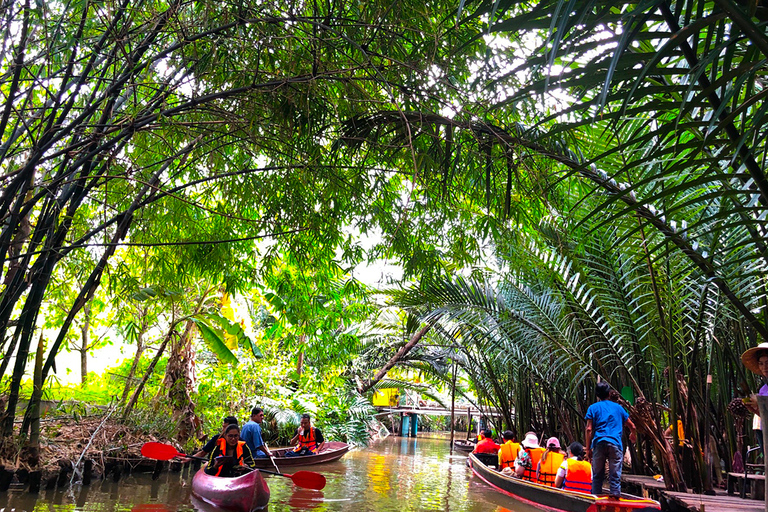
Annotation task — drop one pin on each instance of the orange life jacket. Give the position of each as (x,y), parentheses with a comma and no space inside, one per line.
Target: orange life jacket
(507,454)
(222,444)
(307,442)
(535,454)
(548,468)
(578,476)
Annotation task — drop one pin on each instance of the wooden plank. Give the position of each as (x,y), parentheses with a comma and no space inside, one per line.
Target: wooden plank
(703,503)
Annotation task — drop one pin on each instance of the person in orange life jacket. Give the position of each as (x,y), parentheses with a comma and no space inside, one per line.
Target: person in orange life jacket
(575,473)
(231,456)
(308,439)
(508,451)
(528,459)
(487,445)
(210,445)
(550,461)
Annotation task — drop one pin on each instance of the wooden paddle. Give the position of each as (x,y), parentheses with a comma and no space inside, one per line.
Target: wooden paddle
(162,451)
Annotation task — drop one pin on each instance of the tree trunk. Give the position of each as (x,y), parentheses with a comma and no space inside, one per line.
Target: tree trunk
(136,359)
(85,330)
(140,387)
(398,356)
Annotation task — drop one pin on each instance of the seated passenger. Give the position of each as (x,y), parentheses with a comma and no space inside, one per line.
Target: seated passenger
(550,462)
(308,439)
(487,445)
(508,451)
(231,456)
(528,459)
(575,473)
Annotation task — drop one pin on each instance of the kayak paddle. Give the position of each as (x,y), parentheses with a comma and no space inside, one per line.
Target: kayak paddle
(162,451)
(306,479)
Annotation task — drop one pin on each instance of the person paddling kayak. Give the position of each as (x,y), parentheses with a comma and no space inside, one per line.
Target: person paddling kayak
(231,456)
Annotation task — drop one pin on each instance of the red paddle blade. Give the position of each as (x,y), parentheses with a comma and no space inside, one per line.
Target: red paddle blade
(159,451)
(308,480)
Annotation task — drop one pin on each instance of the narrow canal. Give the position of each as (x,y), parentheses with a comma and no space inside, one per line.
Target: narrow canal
(395,474)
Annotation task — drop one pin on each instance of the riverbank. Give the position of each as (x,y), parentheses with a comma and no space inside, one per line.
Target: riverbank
(75,449)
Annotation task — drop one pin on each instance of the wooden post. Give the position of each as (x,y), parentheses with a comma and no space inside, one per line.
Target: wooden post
(469,422)
(453,403)
(762,405)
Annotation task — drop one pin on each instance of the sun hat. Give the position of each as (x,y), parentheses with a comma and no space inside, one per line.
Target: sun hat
(553,441)
(750,357)
(530,441)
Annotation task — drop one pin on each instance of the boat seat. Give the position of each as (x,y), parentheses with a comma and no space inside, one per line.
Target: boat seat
(489,459)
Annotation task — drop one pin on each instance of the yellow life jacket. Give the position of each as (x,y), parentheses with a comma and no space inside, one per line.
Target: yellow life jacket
(507,454)
(548,468)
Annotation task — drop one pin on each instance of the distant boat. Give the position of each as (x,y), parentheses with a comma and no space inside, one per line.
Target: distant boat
(333,450)
(550,498)
(463,446)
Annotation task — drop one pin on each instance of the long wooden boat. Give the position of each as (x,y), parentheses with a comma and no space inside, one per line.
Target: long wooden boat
(549,498)
(241,494)
(332,450)
(463,446)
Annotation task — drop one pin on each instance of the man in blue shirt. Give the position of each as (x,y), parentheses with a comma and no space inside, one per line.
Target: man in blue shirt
(605,425)
(251,434)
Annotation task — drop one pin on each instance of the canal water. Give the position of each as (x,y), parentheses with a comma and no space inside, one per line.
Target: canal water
(394,474)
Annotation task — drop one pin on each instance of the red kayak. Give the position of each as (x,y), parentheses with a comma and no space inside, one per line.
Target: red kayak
(242,494)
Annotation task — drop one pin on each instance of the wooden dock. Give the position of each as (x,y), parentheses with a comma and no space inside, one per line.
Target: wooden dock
(687,502)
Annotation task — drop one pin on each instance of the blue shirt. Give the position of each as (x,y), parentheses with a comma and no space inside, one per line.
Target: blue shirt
(251,434)
(607,422)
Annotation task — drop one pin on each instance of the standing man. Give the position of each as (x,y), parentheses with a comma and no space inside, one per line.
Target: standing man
(251,434)
(605,424)
(308,439)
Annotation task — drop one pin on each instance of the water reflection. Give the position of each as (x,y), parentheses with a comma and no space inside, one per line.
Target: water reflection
(396,474)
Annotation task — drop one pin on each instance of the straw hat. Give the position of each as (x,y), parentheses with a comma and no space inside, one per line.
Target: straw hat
(530,441)
(750,357)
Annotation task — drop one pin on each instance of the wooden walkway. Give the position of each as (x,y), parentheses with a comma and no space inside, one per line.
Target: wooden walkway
(682,502)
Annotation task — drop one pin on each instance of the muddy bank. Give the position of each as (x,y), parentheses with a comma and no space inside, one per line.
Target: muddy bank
(79,450)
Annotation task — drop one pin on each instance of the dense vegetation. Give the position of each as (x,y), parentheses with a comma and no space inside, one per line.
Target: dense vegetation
(574,191)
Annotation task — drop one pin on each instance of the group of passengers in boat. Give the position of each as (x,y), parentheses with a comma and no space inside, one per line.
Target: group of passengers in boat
(549,465)
(232,452)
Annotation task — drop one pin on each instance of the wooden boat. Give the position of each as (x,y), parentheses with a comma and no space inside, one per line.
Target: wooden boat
(333,450)
(463,446)
(549,498)
(241,494)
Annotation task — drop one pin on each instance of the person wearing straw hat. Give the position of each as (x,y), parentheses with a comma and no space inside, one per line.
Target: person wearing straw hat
(755,359)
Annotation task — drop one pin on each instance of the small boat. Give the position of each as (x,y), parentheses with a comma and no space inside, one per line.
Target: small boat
(549,498)
(463,446)
(241,494)
(333,450)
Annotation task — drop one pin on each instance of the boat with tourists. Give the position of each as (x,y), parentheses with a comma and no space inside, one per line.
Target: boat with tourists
(550,498)
(243,493)
(332,450)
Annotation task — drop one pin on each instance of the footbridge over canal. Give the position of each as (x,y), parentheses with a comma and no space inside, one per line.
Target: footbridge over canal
(409,414)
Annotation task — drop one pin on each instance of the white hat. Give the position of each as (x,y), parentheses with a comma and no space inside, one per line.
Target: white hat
(530,441)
